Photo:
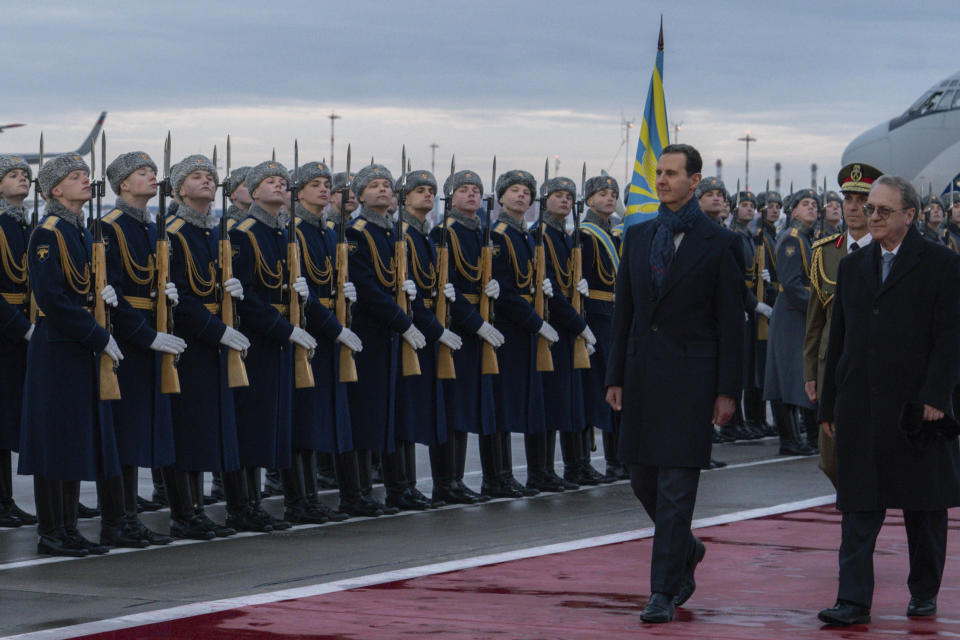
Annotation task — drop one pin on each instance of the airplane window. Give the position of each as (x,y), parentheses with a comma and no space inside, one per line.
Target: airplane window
(956,101)
(919,103)
(931,102)
(944,102)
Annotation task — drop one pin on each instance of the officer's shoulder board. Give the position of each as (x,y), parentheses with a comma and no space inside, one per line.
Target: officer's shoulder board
(51,222)
(501,227)
(246,225)
(826,240)
(359,224)
(331,225)
(175,225)
(298,221)
(113,215)
(404,226)
(794,233)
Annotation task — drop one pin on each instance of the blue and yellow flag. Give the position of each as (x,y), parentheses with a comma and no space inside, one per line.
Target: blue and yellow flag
(642,201)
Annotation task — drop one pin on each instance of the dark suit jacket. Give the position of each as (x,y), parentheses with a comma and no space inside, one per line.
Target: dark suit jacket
(890,344)
(675,352)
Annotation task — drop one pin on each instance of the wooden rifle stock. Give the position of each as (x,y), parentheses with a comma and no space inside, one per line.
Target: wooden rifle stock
(410,361)
(109,385)
(348,368)
(488,355)
(169,378)
(302,370)
(236,369)
(763,324)
(581,359)
(445,367)
(544,357)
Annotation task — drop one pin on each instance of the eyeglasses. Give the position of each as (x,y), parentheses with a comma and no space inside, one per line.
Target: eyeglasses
(883,212)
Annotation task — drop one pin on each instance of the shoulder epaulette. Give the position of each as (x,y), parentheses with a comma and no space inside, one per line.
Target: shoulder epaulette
(113,215)
(826,240)
(51,222)
(331,225)
(405,226)
(501,227)
(247,224)
(794,233)
(298,221)
(617,231)
(359,224)
(175,225)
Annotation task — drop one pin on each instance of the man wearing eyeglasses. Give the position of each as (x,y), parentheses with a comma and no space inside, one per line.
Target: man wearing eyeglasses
(855,181)
(892,363)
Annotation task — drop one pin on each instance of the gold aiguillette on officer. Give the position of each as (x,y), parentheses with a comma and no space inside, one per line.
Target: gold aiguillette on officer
(410,362)
(236,369)
(488,355)
(445,367)
(109,385)
(302,370)
(347,365)
(34,221)
(169,378)
(544,357)
(581,358)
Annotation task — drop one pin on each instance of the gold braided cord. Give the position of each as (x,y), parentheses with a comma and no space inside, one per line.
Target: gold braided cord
(262,269)
(564,278)
(524,281)
(470,272)
(15,270)
(424,279)
(608,278)
(200,287)
(387,275)
(79,282)
(129,264)
(317,275)
(818,278)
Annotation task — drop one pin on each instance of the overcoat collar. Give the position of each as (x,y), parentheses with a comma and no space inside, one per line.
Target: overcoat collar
(908,257)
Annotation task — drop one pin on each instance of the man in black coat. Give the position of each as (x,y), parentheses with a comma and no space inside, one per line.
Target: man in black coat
(676,365)
(892,363)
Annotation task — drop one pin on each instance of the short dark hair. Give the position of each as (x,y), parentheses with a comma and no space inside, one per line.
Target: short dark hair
(694,162)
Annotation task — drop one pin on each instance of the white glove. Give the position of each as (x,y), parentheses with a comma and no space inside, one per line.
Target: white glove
(29,333)
(413,336)
(170,290)
(349,292)
(301,338)
(300,286)
(449,292)
(583,287)
(547,288)
(765,274)
(235,340)
(350,339)
(588,335)
(234,288)
(549,332)
(410,289)
(764,309)
(109,295)
(451,339)
(492,290)
(168,343)
(489,333)
(591,349)
(113,350)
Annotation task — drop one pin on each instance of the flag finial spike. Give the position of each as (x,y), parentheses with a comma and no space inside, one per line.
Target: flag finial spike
(660,40)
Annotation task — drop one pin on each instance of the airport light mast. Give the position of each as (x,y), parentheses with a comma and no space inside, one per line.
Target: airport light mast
(333,117)
(746,177)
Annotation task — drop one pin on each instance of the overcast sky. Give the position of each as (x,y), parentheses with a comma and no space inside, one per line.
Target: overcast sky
(522,80)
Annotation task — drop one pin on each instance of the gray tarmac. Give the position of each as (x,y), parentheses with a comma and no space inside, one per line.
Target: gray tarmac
(39,593)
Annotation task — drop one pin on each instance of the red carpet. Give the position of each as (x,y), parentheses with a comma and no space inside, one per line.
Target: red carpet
(764,578)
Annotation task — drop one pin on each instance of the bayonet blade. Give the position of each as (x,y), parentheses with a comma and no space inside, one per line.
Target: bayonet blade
(546,170)
(93,158)
(348,163)
(403,163)
(583,181)
(214,156)
(493,177)
(737,200)
(371,161)
(103,158)
(41,149)
(273,155)
(296,155)
(227,174)
(166,156)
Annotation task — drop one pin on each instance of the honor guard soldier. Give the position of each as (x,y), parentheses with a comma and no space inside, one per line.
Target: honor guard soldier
(469,398)
(380,323)
(711,194)
(855,182)
(562,387)
(601,259)
(321,414)
(142,418)
(832,215)
(239,195)
(337,211)
(783,384)
(933,219)
(264,408)
(770,204)
(951,232)
(204,420)
(16,326)
(421,417)
(518,390)
(67,431)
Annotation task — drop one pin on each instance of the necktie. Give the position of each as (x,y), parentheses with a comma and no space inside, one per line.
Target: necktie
(854,247)
(888,259)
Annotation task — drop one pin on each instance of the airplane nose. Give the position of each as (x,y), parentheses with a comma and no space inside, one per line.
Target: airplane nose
(871,147)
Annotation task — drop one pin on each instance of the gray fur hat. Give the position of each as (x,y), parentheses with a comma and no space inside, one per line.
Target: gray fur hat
(340,180)
(745,196)
(125,164)
(833,196)
(311,171)
(237,178)
(710,183)
(460,178)
(799,195)
(599,183)
(516,176)
(54,171)
(262,171)
(560,184)
(8,163)
(768,196)
(367,175)
(415,179)
(180,171)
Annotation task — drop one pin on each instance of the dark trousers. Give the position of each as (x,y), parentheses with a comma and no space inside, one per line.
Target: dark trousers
(668,494)
(926,540)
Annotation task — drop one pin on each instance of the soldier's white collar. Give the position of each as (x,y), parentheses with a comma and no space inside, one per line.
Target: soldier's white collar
(861,243)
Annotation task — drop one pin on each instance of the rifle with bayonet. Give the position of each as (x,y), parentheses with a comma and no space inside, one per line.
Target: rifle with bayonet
(488,355)
(581,358)
(445,367)
(34,222)
(169,378)
(348,368)
(109,385)
(236,369)
(544,357)
(410,361)
(302,369)
(760,265)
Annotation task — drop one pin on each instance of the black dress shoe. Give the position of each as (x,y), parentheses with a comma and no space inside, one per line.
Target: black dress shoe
(448,494)
(303,513)
(118,535)
(922,607)
(219,530)
(659,609)
(147,505)
(9,519)
(467,491)
(317,505)
(326,482)
(190,528)
(402,502)
(498,489)
(689,585)
(77,541)
(513,483)
(277,524)
(160,496)
(83,511)
(56,544)
(715,464)
(844,614)
(359,508)
(387,509)
(567,486)
(24,517)
(134,525)
(543,482)
(245,520)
